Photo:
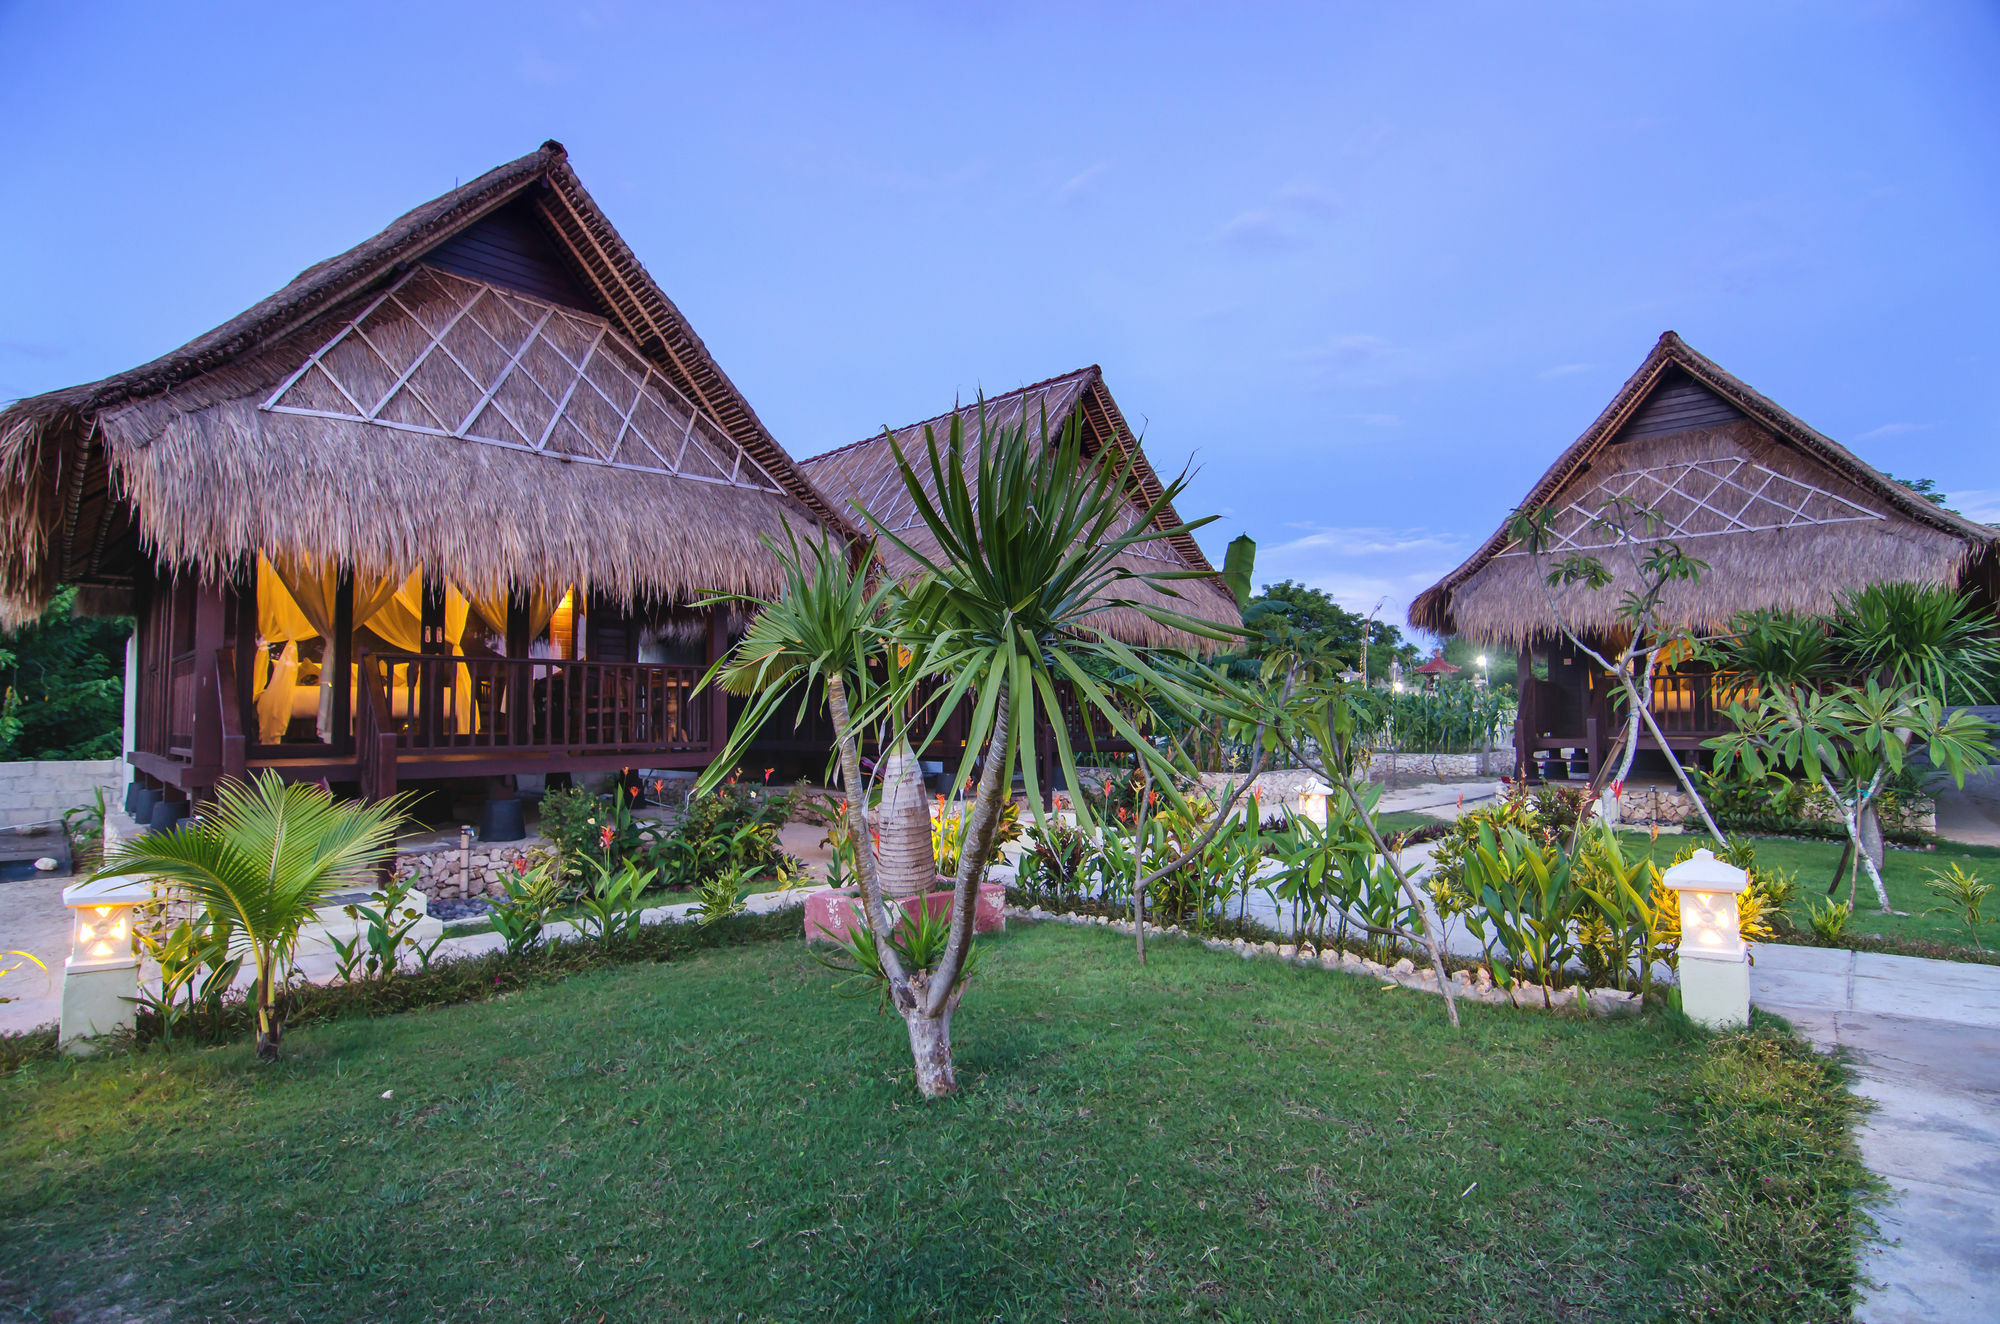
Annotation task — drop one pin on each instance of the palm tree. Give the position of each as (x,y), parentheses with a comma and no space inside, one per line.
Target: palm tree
(260,863)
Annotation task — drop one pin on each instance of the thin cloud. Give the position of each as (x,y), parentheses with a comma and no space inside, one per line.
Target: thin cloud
(1892,430)
(1350,360)
(1358,566)
(1259,231)
(1982,504)
(1082,183)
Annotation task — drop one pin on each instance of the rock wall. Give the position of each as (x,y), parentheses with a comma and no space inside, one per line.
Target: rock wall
(448,872)
(36,791)
(1661,806)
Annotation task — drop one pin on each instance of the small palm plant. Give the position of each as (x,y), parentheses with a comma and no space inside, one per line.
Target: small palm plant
(261,862)
(1964,894)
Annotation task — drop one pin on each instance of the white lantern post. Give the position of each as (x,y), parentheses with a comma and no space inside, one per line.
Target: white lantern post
(101,975)
(1714,965)
(1312,801)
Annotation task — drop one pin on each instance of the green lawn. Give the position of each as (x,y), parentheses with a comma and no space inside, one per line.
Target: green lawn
(719,1138)
(1904,873)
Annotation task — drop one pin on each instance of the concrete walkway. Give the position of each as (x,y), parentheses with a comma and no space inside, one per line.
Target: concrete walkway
(1925,1040)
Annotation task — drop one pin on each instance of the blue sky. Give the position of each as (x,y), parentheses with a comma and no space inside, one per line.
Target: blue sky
(1368,268)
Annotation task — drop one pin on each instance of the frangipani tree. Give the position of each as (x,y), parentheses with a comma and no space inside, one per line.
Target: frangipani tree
(1851,740)
(1656,565)
(1031,536)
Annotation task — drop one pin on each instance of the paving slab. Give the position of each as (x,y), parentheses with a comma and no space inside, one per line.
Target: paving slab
(1925,1043)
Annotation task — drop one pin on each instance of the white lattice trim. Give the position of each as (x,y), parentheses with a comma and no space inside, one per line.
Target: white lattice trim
(443,355)
(1699,499)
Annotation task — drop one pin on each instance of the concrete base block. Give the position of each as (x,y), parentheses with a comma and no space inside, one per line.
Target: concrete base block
(97,1001)
(1715,994)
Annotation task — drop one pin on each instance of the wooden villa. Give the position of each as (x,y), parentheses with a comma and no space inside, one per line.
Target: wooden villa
(438,509)
(863,477)
(1785,517)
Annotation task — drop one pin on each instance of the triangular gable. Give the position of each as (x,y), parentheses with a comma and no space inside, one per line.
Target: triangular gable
(1677,392)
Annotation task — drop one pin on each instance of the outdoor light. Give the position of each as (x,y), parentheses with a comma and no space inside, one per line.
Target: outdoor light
(1312,801)
(1714,965)
(101,975)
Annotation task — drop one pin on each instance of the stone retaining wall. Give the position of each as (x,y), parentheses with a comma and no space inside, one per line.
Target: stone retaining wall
(1665,806)
(39,790)
(448,872)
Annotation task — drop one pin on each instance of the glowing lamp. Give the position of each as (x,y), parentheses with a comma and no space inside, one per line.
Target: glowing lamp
(1313,801)
(101,975)
(1714,964)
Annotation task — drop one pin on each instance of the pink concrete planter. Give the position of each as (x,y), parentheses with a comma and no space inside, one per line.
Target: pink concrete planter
(831,916)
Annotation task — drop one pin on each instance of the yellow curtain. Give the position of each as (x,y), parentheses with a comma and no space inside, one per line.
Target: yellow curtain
(313,589)
(456,612)
(274,700)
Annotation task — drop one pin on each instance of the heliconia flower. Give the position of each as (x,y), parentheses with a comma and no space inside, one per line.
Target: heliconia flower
(606,835)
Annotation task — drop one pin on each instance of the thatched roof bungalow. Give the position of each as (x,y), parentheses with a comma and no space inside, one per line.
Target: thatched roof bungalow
(481,441)
(863,476)
(1785,517)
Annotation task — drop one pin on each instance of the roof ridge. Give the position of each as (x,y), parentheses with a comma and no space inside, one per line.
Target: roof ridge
(1044,384)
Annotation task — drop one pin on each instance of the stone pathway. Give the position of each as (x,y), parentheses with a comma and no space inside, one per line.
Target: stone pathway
(1925,1038)
(1971,815)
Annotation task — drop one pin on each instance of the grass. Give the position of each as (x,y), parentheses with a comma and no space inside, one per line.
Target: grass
(718,1138)
(1903,873)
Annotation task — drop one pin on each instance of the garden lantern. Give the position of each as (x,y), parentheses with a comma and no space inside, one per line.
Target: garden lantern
(1714,965)
(1312,801)
(101,974)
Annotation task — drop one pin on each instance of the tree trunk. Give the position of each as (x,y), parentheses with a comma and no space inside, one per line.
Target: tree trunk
(1871,833)
(909,869)
(269,1030)
(930,1050)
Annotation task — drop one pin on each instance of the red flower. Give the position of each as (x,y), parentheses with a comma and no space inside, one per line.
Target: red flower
(767,775)
(606,836)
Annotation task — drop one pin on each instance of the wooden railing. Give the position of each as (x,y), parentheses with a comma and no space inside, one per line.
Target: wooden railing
(1693,703)
(436,703)
(180,704)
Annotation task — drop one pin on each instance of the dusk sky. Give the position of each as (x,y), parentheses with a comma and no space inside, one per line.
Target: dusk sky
(1367,268)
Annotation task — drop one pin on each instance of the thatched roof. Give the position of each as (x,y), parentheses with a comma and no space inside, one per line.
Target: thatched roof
(382,412)
(864,475)
(1785,517)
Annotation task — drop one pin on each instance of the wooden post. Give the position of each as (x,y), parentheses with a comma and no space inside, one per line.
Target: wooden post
(718,698)
(1590,749)
(210,635)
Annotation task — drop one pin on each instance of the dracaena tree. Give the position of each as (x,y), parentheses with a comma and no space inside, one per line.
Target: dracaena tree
(1008,613)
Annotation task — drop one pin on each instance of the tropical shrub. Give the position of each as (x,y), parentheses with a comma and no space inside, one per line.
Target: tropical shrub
(1963,894)
(735,827)
(948,830)
(382,937)
(530,893)
(1055,862)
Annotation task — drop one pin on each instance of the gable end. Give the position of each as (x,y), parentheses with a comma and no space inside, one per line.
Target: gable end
(512,248)
(1678,404)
